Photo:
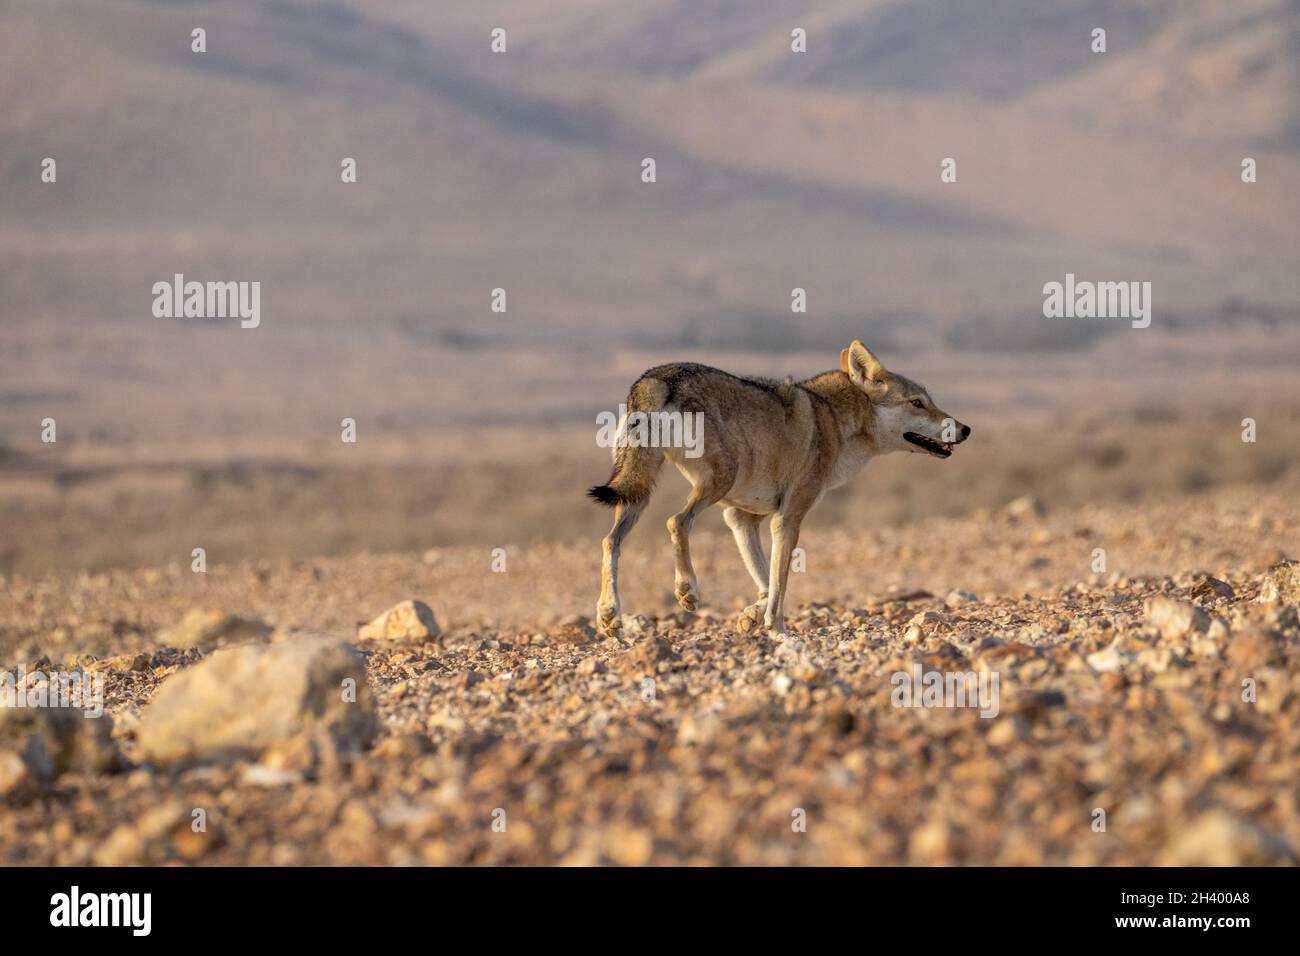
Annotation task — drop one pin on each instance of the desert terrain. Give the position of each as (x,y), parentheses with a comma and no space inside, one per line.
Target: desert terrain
(182,519)
(686,741)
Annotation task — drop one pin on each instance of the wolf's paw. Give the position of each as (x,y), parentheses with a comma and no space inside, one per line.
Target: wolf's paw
(608,621)
(686,596)
(751,618)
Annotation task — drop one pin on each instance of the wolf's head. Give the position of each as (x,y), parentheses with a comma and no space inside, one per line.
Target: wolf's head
(906,418)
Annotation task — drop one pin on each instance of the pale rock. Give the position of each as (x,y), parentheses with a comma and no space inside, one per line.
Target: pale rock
(1217,839)
(701,727)
(1175,620)
(17,781)
(1155,659)
(292,696)
(1109,659)
(408,621)
(928,620)
(207,626)
(1205,645)
(1026,506)
(262,775)
(957,597)
(638,625)
(125,663)
(929,842)
(1003,732)
(1281,583)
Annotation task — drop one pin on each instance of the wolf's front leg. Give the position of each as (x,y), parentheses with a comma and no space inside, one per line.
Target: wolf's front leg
(785,535)
(744,525)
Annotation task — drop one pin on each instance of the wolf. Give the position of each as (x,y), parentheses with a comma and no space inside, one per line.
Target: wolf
(769,449)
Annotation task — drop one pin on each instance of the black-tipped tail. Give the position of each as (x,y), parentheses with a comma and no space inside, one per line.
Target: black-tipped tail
(605,494)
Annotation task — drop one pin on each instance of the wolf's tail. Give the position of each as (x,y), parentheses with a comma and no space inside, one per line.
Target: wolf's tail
(635,468)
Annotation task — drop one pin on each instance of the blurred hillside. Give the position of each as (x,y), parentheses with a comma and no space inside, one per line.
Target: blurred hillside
(522,171)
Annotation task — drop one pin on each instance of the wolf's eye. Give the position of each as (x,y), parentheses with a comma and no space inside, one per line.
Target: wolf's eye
(917,403)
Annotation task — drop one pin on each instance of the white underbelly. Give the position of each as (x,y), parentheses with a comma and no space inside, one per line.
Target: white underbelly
(748,494)
(759,501)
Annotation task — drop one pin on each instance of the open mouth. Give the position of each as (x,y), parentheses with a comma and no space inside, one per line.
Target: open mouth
(940,449)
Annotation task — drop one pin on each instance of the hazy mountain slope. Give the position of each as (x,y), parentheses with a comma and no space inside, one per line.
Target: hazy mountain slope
(1227,75)
(521,171)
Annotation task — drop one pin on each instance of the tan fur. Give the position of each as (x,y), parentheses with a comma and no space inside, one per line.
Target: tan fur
(769,449)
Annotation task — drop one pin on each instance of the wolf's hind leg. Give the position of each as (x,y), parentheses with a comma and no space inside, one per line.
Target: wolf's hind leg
(608,613)
(744,526)
(704,494)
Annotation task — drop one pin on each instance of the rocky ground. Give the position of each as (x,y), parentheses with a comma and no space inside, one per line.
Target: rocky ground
(1147,707)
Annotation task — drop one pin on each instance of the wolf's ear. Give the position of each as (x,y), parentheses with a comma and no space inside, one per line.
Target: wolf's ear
(863,368)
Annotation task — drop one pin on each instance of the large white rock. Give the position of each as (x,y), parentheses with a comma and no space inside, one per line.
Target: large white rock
(408,621)
(1175,620)
(255,699)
